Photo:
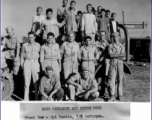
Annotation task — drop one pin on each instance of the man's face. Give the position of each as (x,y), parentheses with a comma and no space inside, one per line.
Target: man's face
(114,17)
(88,42)
(96,13)
(71,37)
(116,38)
(85,75)
(89,8)
(108,14)
(49,73)
(79,16)
(65,2)
(99,8)
(10,32)
(72,5)
(50,39)
(103,13)
(39,11)
(49,15)
(103,35)
(31,38)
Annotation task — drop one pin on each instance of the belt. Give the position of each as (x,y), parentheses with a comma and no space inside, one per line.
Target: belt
(52,59)
(33,60)
(88,60)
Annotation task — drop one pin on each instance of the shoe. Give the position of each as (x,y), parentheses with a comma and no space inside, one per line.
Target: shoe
(120,98)
(112,98)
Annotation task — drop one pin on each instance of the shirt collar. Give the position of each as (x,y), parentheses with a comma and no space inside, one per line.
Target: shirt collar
(31,44)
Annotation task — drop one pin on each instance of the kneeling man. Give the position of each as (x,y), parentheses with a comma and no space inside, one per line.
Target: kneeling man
(84,88)
(50,86)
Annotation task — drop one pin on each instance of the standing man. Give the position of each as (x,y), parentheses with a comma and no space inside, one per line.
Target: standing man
(89,25)
(70,54)
(114,25)
(50,55)
(79,24)
(71,14)
(89,55)
(29,62)
(11,47)
(49,24)
(108,14)
(116,52)
(61,17)
(36,23)
(83,86)
(50,86)
(103,23)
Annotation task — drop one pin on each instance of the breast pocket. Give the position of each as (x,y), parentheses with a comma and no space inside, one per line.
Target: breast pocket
(55,52)
(68,51)
(14,44)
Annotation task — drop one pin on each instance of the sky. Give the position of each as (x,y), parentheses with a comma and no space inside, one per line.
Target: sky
(19,13)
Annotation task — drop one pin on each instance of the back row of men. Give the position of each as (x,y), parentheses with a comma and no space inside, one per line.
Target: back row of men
(52,57)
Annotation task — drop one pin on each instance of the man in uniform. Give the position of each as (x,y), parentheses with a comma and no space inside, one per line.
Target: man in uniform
(116,52)
(70,54)
(29,62)
(50,86)
(11,50)
(50,55)
(89,25)
(88,55)
(84,88)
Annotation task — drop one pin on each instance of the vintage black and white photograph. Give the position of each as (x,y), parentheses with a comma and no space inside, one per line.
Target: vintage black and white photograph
(76,50)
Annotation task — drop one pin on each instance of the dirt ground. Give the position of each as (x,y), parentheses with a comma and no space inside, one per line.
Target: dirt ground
(137,85)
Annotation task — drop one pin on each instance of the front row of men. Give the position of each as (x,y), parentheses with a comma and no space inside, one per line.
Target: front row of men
(54,59)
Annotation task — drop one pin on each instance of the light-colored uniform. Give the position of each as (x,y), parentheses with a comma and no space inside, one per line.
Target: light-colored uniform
(71,25)
(70,52)
(50,26)
(116,69)
(30,56)
(48,85)
(89,25)
(11,45)
(86,85)
(49,55)
(89,55)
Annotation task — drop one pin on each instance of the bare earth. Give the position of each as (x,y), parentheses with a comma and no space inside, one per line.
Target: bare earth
(137,85)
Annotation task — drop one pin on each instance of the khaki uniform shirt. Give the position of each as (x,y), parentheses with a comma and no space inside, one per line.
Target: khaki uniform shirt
(50,51)
(88,52)
(31,51)
(70,51)
(48,85)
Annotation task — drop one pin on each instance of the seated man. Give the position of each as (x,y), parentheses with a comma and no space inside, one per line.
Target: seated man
(84,88)
(50,86)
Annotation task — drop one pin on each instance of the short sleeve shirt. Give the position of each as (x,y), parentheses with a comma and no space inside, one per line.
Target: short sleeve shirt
(31,51)
(50,51)
(88,53)
(70,51)
(47,85)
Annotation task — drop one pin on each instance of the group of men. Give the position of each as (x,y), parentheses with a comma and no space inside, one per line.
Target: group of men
(86,39)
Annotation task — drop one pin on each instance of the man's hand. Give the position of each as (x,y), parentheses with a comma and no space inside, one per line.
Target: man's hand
(16,59)
(50,98)
(80,87)
(87,95)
